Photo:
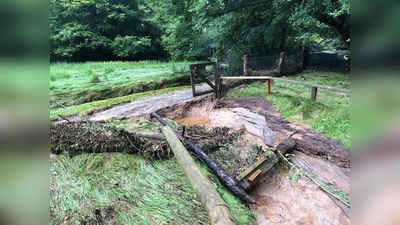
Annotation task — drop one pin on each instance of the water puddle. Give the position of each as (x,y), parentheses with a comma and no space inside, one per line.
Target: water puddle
(195,120)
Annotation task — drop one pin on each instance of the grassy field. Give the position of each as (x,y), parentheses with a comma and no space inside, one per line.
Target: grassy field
(78,83)
(330,114)
(116,188)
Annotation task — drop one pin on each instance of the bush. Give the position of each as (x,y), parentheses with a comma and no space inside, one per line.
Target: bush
(94,78)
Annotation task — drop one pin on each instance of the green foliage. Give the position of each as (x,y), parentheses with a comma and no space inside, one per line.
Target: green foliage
(194,29)
(130,45)
(99,30)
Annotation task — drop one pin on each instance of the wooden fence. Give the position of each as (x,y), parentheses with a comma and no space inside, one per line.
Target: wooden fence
(314,87)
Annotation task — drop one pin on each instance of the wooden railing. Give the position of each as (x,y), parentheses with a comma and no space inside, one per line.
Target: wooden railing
(314,87)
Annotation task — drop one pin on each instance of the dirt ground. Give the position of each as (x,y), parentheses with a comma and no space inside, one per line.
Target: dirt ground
(280,201)
(308,141)
(218,114)
(144,106)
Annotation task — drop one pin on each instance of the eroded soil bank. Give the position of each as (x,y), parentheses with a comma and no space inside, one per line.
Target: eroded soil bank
(280,201)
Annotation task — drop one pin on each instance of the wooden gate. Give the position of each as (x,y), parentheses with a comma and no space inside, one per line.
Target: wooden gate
(198,74)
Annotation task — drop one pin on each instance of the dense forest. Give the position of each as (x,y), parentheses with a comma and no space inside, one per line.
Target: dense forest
(92,30)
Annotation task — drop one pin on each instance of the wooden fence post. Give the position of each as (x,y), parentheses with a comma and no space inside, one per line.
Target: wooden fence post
(280,65)
(304,56)
(314,93)
(217,79)
(192,82)
(269,86)
(245,66)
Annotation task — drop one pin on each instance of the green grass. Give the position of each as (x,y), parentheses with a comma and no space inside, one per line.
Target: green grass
(330,114)
(127,189)
(78,83)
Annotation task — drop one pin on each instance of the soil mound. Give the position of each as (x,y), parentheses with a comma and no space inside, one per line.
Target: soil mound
(308,141)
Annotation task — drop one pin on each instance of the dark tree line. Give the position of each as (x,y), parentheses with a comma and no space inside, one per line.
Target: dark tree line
(82,30)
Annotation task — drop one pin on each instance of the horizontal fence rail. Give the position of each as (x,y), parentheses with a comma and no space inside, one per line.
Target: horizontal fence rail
(288,81)
(314,87)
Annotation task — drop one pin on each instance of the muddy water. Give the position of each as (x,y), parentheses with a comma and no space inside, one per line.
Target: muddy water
(194,120)
(281,201)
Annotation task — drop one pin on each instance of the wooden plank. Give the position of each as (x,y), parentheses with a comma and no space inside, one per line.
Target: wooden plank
(198,93)
(288,81)
(249,178)
(314,93)
(255,175)
(326,172)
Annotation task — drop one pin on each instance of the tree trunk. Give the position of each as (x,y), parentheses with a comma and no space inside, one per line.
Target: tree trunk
(283,40)
(217,210)
(342,32)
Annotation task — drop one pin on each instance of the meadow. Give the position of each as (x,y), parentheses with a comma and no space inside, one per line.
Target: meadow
(78,83)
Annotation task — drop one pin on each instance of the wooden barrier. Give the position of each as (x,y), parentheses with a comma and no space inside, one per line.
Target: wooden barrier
(198,71)
(314,87)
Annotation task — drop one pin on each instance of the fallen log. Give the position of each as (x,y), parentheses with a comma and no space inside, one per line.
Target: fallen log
(217,210)
(150,135)
(222,175)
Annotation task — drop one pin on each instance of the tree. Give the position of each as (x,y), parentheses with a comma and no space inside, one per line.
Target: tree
(186,32)
(192,29)
(265,27)
(102,30)
(333,13)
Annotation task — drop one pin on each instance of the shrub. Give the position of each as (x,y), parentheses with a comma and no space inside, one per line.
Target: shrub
(94,78)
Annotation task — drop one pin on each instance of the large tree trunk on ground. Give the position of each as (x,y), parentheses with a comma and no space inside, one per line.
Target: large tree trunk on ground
(217,210)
